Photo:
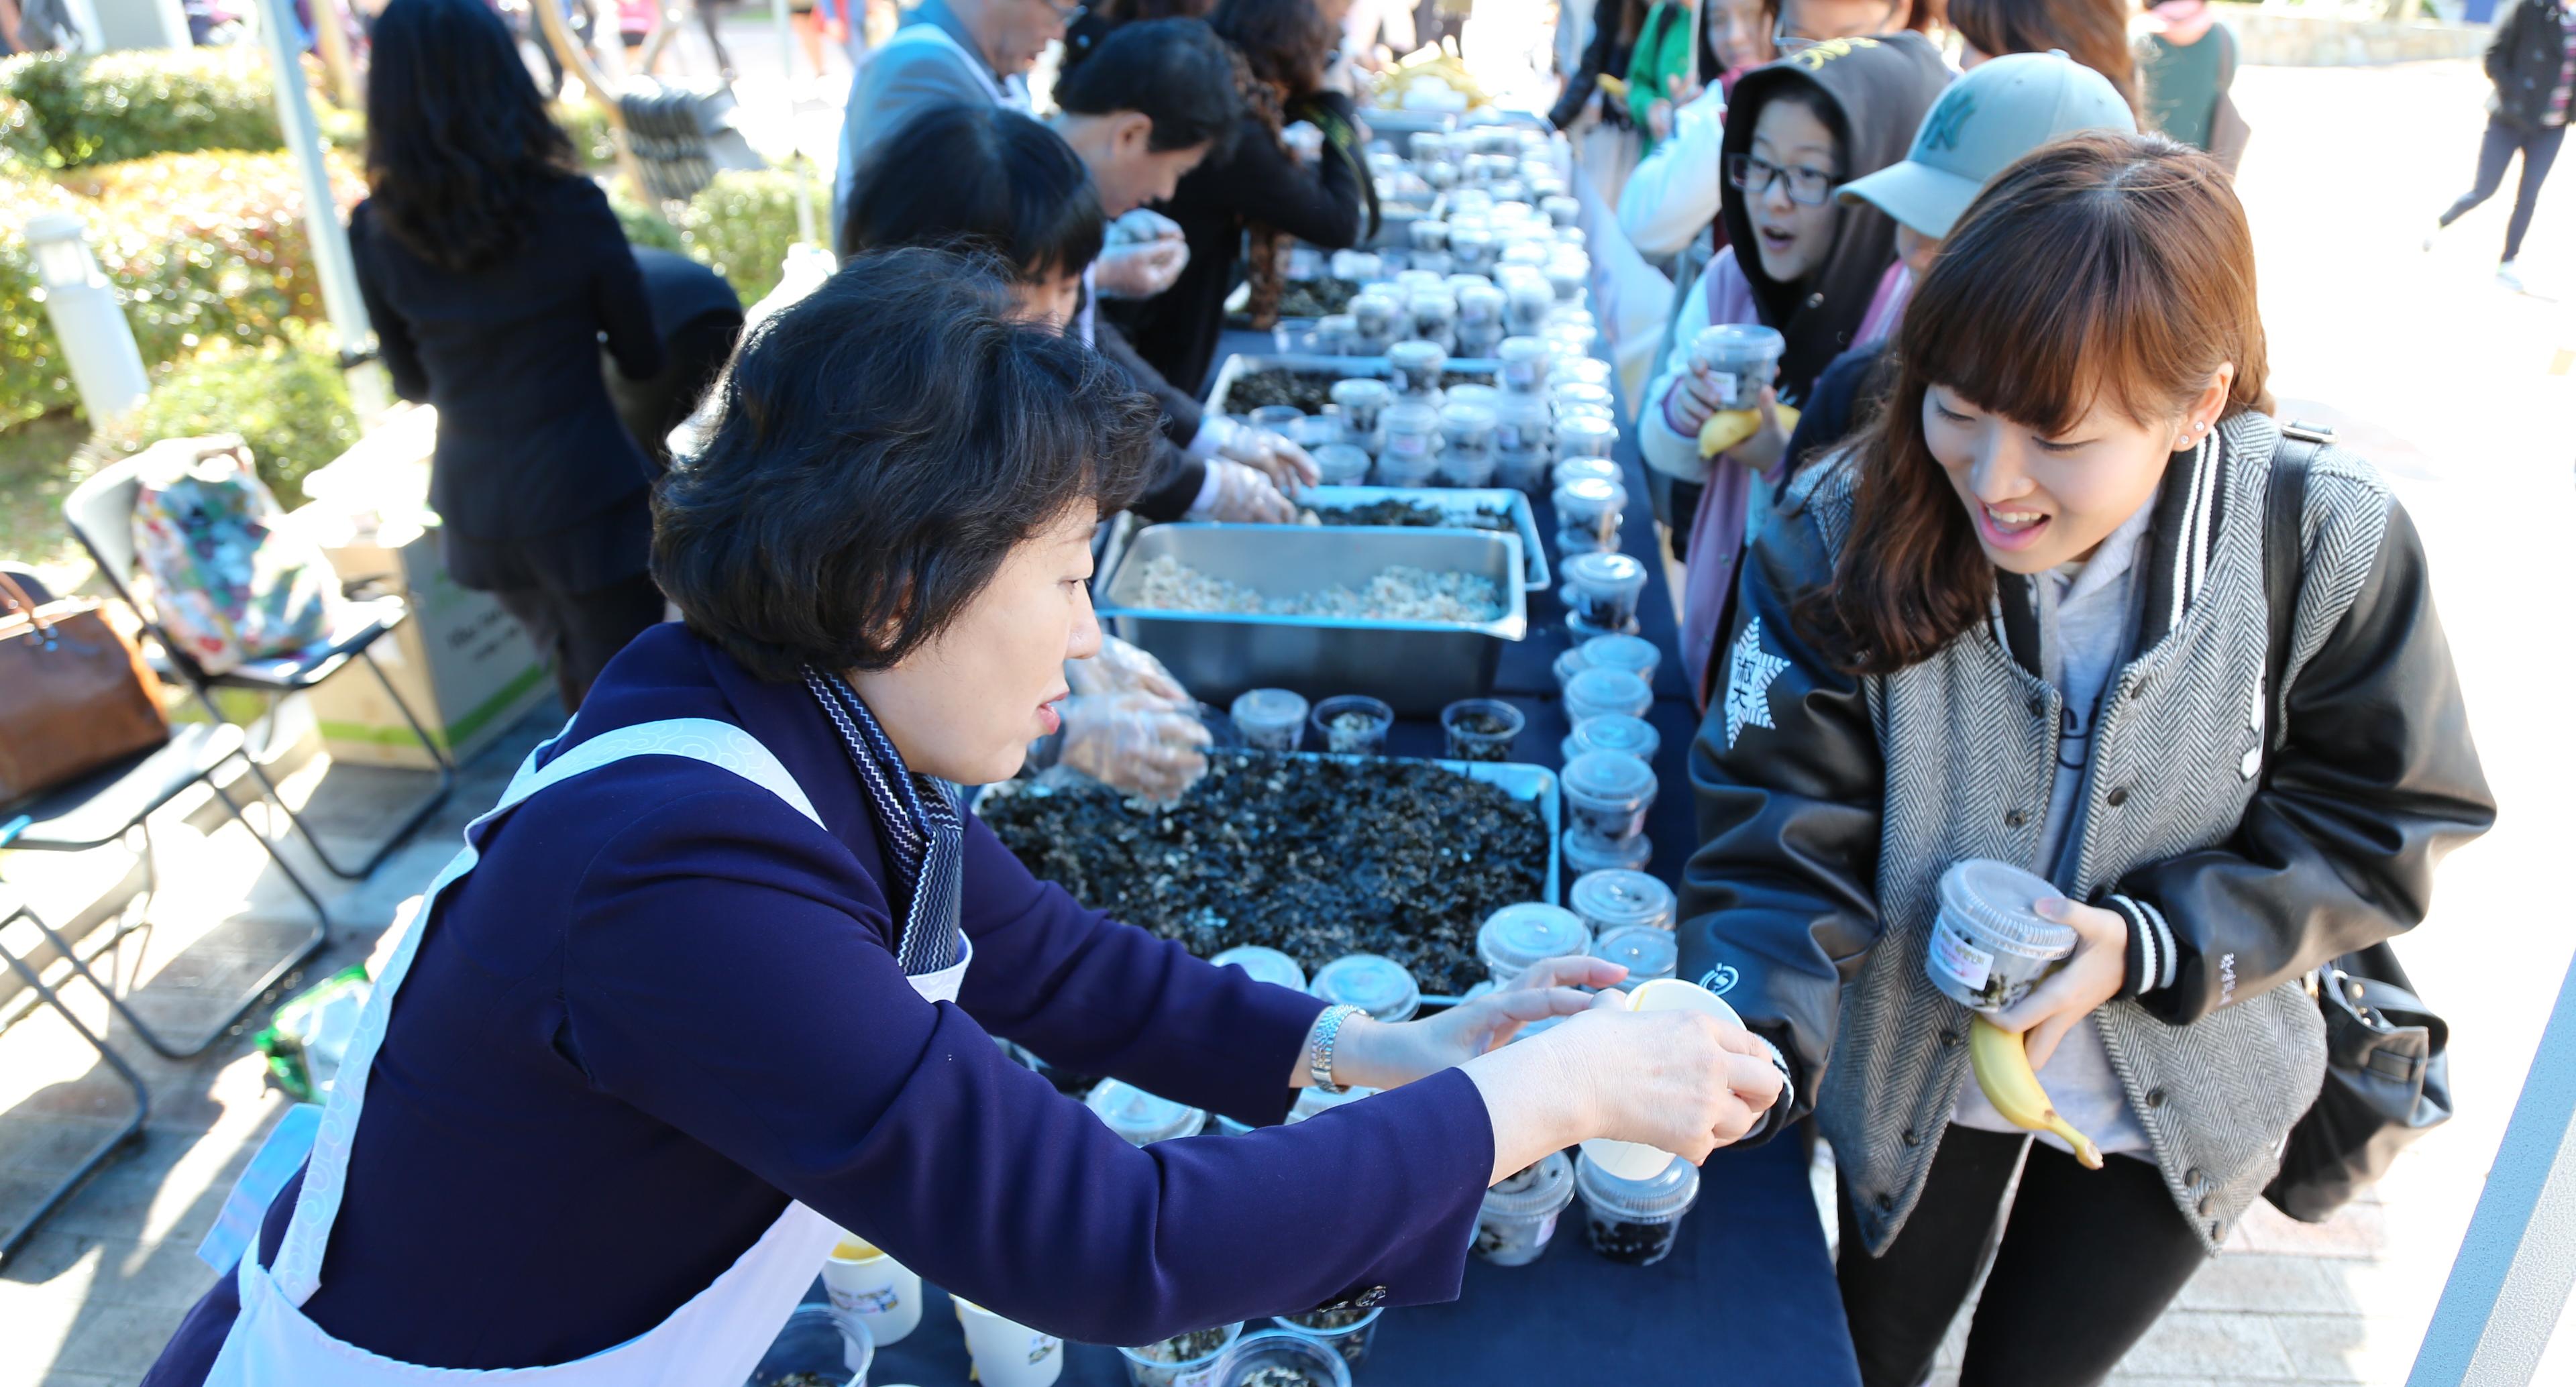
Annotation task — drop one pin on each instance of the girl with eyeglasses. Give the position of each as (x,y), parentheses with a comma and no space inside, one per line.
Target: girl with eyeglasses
(1796,261)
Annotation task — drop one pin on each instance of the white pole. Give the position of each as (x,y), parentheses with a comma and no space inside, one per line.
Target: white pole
(89,322)
(330,241)
(787,97)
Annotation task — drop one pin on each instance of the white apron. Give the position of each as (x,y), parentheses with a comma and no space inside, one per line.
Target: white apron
(713,1340)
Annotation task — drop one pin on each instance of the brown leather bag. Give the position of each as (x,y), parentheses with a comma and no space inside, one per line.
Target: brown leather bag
(74,694)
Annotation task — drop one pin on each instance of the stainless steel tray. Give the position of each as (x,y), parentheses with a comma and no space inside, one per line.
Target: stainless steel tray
(1418,667)
(1524,520)
(1336,367)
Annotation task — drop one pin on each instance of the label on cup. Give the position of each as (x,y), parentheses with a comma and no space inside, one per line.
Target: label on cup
(871,1302)
(1409,445)
(1953,957)
(1729,385)
(1042,1346)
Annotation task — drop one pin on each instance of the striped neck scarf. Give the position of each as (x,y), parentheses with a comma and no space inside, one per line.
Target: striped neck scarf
(917,819)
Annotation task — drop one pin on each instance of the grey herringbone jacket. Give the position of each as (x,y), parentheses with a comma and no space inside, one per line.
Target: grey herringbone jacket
(1830,803)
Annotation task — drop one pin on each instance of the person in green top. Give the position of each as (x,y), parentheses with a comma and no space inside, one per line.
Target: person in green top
(1664,61)
(2187,63)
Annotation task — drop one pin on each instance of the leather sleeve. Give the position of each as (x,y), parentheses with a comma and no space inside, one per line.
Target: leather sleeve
(1779,904)
(2375,781)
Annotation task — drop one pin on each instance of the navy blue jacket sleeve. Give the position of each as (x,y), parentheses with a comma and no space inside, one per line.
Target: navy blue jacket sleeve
(808,1059)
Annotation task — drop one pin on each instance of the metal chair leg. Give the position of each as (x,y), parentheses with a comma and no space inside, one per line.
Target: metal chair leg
(15,1238)
(420,813)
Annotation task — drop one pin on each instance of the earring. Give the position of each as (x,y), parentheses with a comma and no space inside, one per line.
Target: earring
(2198,426)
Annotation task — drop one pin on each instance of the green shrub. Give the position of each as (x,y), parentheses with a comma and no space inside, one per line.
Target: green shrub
(594,142)
(108,107)
(643,225)
(742,225)
(288,401)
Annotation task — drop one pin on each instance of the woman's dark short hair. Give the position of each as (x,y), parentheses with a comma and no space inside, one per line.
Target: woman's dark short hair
(883,446)
(1175,72)
(458,141)
(1287,43)
(977,177)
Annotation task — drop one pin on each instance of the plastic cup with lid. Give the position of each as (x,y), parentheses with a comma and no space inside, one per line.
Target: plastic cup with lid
(1471,248)
(1333,334)
(1276,418)
(1348,1331)
(1989,945)
(1007,1353)
(1427,145)
(1525,365)
(1374,983)
(817,1342)
(1270,719)
(1413,282)
(1276,1358)
(1561,210)
(1569,394)
(1636,1161)
(1480,305)
(1311,1101)
(1436,261)
(1411,446)
(1265,965)
(871,1289)
(1528,299)
(1585,852)
(1459,282)
(1635,654)
(1607,792)
(1567,665)
(1353,724)
(1519,1215)
(1373,315)
(1604,589)
(1616,899)
(1591,370)
(1184,1360)
(1585,436)
(1140,1117)
(1428,233)
(1362,401)
(1576,469)
(1467,443)
(1312,431)
(1619,732)
(1340,464)
(1588,513)
(1649,954)
(1440,173)
(1521,251)
(1740,359)
(1635,1220)
(1413,369)
(1517,936)
(1481,729)
(1357,266)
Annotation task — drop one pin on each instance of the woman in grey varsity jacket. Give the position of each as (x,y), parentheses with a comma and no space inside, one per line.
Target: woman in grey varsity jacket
(2024,618)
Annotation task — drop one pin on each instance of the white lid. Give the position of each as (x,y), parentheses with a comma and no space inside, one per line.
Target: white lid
(1665,1195)
(1264,964)
(1608,691)
(1646,952)
(1610,572)
(1411,416)
(1269,708)
(1607,777)
(1607,900)
(1360,390)
(1996,898)
(1542,1189)
(1599,491)
(1517,936)
(1141,1117)
(1579,469)
(1465,414)
(1617,732)
(1635,654)
(1374,983)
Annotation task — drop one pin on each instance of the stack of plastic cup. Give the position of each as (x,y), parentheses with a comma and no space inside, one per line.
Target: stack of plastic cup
(1410,456)
(1270,719)
(1435,318)
(1141,1117)
(1373,315)
(1374,983)
(1333,333)
(1414,368)
(1467,444)
(1522,439)
(1519,1216)
(1613,900)
(1518,936)
(1585,436)
(1480,320)
(1265,965)
(1588,512)
(1362,401)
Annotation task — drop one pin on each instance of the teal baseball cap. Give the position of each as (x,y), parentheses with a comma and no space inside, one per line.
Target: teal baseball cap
(1998,111)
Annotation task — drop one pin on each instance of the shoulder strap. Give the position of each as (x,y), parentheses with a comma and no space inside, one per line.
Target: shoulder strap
(2284,556)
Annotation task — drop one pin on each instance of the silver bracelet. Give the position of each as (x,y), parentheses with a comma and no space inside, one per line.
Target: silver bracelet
(1319,1046)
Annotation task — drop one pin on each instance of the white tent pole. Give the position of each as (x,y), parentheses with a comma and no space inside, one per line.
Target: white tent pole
(322,229)
(787,98)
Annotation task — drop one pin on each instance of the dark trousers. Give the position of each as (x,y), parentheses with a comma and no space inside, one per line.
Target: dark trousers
(2495,150)
(2087,1260)
(579,632)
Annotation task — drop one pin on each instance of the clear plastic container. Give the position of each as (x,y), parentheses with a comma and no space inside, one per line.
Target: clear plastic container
(1413,370)
(1613,900)
(1427,145)
(1635,654)
(1740,358)
(1575,469)
(1525,365)
(1440,173)
(1341,464)
(1411,447)
(1353,725)
(1591,370)
(1333,333)
(813,1344)
(1649,954)
(1345,1332)
(1635,1221)
(1471,248)
(1588,514)
(1480,306)
(1277,1358)
(1594,692)
(1569,275)
(1581,395)
(1523,253)
(1374,983)
(1277,418)
(1362,401)
(1589,852)
(1435,318)
(1619,732)
(1184,1360)
(1373,315)
(1517,936)
(1561,210)
(1585,436)
(1520,1214)
(1427,233)
(1467,444)
(1528,299)
(1607,792)
(1270,719)
(1357,266)
(1140,1117)
(1470,393)
(1604,589)
(1568,664)
(1989,947)
(1481,729)
(1312,431)
(1265,965)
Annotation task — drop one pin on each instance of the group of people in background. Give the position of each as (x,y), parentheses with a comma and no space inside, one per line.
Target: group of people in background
(1987,578)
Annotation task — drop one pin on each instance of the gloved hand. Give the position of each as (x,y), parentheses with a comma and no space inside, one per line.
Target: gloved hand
(1245,496)
(1286,465)
(1123,668)
(1139,269)
(1144,224)
(1135,742)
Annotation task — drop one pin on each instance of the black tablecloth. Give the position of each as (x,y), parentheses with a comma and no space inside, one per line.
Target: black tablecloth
(1746,1298)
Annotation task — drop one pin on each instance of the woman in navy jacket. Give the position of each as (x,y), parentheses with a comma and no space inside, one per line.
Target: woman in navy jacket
(667,1002)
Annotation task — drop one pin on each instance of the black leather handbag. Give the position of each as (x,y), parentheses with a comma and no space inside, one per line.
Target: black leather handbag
(2387,1055)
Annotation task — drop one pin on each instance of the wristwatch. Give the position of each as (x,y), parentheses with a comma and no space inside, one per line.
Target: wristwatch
(1319,1046)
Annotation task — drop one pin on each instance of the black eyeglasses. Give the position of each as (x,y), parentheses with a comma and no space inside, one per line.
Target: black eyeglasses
(1808,187)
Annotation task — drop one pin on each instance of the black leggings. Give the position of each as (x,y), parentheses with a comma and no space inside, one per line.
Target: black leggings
(2088,1260)
(579,632)
(2539,150)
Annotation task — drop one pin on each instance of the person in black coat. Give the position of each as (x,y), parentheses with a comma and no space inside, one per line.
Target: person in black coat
(492,268)
(1260,188)
(2533,65)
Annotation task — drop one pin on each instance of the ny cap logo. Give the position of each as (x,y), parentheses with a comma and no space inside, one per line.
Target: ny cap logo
(1942,130)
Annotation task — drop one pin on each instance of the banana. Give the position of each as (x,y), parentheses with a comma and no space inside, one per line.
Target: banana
(1728,427)
(2003,1071)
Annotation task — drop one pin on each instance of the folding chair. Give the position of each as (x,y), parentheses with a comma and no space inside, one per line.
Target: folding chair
(12,908)
(107,805)
(101,515)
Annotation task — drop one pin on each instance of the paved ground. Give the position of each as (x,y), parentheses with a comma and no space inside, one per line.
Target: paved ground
(2459,390)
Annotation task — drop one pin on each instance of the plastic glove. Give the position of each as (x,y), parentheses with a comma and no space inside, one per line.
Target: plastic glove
(1286,465)
(1144,224)
(1135,742)
(1123,668)
(1139,269)
(1245,496)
